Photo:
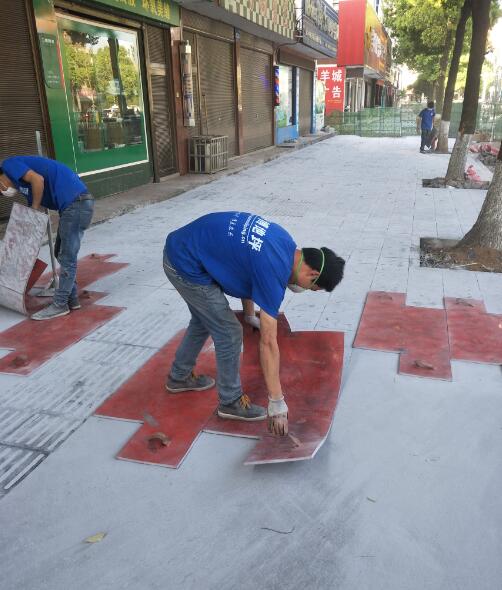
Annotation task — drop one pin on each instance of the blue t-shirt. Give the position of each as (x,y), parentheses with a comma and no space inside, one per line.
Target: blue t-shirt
(61,185)
(427,115)
(248,256)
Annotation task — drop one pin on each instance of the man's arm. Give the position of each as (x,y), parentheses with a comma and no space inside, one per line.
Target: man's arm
(37,187)
(270,362)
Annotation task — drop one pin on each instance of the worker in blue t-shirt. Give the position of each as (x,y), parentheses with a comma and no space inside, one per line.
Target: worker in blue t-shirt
(425,123)
(50,184)
(245,256)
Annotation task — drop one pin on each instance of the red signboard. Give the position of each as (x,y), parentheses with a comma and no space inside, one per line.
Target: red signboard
(334,80)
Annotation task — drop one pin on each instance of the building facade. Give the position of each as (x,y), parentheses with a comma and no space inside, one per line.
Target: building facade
(101,81)
(365,51)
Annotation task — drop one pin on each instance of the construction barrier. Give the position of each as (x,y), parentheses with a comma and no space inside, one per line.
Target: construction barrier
(401,121)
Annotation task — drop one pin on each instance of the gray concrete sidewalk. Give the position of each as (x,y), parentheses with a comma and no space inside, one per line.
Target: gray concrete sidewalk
(404,495)
(172,186)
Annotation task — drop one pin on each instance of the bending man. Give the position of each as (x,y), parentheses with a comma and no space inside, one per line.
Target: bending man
(50,184)
(245,256)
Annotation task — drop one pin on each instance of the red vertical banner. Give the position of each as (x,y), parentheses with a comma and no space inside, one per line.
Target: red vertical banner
(334,80)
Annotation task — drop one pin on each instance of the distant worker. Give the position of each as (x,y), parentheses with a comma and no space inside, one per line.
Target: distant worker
(245,256)
(425,123)
(50,184)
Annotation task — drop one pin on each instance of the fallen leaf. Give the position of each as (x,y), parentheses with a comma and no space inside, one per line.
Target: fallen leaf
(370,499)
(95,538)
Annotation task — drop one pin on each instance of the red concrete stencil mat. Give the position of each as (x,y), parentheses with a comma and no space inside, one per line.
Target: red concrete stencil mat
(33,343)
(419,334)
(178,417)
(427,339)
(474,334)
(311,366)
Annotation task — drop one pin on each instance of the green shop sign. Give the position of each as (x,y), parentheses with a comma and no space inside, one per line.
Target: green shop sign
(162,10)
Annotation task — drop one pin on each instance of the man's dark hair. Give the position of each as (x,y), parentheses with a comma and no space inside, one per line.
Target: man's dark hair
(430,104)
(332,273)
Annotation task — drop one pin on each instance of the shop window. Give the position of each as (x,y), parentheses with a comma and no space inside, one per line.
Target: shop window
(285,111)
(104,94)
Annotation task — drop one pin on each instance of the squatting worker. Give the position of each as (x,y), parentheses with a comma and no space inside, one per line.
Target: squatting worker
(50,184)
(248,257)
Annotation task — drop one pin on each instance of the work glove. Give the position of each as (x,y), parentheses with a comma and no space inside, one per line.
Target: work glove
(277,416)
(253,321)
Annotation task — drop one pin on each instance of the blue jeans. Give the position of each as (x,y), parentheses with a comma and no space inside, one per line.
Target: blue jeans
(211,316)
(73,221)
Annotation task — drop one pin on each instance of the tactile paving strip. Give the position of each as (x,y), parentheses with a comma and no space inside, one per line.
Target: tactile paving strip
(15,464)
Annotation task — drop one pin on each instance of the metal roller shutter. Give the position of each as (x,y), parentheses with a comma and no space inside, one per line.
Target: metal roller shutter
(159,74)
(257,108)
(20,110)
(217,89)
(305,110)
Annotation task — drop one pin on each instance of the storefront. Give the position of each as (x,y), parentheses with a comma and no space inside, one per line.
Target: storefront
(109,88)
(257,92)
(21,112)
(213,73)
(318,39)
(365,51)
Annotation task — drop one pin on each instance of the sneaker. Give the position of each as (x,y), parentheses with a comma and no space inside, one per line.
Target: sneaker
(192,383)
(50,312)
(74,304)
(242,409)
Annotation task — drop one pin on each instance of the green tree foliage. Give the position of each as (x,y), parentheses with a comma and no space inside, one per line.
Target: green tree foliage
(419,29)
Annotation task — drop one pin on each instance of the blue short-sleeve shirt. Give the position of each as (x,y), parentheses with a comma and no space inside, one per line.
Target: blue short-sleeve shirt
(61,185)
(247,255)
(427,115)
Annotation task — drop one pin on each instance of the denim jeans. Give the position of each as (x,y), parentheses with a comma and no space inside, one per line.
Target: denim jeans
(424,140)
(73,221)
(211,316)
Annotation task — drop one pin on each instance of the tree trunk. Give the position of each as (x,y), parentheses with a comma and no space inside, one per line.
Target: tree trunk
(480,26)
(487,231)
(452,78)
(443,64)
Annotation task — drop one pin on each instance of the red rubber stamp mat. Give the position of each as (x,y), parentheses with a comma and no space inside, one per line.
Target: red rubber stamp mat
(34,343)
(428,339)
(311,367)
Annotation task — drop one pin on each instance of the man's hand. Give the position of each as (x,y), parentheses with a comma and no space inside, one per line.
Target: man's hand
(277,416)
(37,188)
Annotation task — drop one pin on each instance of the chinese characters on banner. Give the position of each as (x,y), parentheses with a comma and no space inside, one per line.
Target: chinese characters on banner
(334,80)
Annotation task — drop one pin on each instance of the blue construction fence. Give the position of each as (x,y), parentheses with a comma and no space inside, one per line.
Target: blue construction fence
(401,121)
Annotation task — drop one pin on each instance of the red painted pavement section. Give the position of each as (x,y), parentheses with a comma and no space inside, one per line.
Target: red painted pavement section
(419,334)
(34,342)
(474,334)
(311,364)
